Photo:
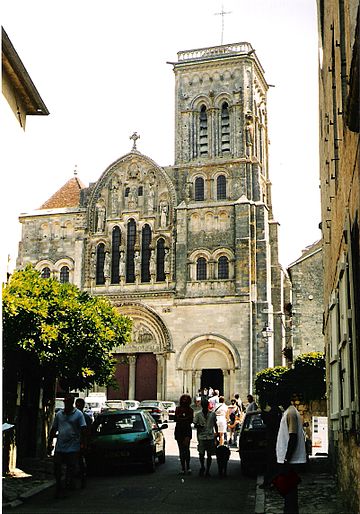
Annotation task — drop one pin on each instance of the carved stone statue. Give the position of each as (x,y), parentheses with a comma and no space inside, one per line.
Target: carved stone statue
(114,196)
(122,265)
(163,214)
(150,199)
(107,265)
(100,218)
(249,130)
(137,264)
(152,265)
(133,197)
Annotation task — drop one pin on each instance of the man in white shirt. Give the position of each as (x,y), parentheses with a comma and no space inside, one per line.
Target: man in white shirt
(290,451)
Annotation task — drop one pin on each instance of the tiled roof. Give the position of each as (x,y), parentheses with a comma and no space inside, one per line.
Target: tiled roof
(67,196)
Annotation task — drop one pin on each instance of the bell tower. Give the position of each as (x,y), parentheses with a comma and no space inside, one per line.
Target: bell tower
(220,106)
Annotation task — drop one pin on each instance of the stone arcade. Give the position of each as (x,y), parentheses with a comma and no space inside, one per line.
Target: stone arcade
(188,251)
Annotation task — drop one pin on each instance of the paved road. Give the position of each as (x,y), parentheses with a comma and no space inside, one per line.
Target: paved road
(134,491)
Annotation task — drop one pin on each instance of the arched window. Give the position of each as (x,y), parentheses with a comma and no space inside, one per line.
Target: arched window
(221,187)
(160,260)
(145,253)
(127,191)
(45,273)
(199,189)
(225,129)
(140,190)
(64,275)
(100,259)
(203,131)
(131,238)
(201,269)
(115,255)
(223,267)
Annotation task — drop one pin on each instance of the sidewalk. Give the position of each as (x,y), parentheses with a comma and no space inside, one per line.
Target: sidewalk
(34,476)
(318,493)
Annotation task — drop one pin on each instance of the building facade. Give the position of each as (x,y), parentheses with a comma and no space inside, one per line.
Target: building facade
(307,306)
(188,251)
(340,203)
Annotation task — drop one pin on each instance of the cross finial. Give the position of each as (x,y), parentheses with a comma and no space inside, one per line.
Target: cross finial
(134,137)
(222,13)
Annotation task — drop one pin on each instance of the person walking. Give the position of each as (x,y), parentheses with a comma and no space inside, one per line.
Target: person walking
(290,451)
(252,405)
(205,423)
(184,417)
(69,427)
(214,400)
(221,411)
(233,420)
(80,404)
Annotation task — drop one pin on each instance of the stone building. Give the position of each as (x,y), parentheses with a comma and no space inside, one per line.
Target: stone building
(188,251)
(307,278)
(339,73)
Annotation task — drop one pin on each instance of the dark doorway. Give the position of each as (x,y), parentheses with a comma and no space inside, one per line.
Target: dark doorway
(213,378)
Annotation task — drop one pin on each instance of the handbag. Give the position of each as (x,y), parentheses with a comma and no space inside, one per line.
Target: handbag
(285,482)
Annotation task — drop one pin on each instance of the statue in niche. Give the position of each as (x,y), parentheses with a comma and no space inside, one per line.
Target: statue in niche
(151,177)
(122,265)
(167,261)
(150,199)
(107,265)
(163,214)
(137,263)
(152,264)
(93,265)
(133,197)
(114,196)
(249,129)
(101,212)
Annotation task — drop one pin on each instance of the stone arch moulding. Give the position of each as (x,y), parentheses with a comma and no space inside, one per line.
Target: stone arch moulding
(192,352)
(119,166)
(150,334)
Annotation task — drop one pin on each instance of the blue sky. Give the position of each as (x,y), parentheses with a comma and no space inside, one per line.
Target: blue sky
(101,69)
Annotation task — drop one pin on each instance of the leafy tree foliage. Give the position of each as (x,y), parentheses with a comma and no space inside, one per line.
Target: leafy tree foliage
(61,330)
(306,380)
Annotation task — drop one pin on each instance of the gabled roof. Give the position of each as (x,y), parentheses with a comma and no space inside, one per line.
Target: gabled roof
(67,196)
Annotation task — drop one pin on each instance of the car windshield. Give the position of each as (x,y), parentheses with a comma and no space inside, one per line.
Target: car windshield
(254,422)
(119,423)
(150,404)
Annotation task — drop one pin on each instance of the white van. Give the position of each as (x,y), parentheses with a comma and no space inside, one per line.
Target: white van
(95,402)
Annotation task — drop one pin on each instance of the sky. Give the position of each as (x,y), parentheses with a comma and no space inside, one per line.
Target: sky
(102,69)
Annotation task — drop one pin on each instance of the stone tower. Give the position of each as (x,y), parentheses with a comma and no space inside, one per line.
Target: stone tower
(188,251)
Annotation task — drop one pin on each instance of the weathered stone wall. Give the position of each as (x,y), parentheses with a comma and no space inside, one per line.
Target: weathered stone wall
(307,276)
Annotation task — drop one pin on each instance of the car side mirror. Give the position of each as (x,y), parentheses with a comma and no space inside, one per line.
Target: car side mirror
(165,425)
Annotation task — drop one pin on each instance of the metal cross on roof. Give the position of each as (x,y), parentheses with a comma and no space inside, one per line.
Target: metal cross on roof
(134,137)
(222,13)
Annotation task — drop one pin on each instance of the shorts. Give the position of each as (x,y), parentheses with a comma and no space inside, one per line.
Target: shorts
(207,445)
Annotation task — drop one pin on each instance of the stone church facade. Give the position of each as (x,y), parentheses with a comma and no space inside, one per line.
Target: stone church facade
(188,251)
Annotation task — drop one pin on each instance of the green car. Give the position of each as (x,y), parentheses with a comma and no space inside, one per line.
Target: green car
(121,437)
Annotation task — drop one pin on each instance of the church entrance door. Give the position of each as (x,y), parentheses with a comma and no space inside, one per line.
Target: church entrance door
(213,378)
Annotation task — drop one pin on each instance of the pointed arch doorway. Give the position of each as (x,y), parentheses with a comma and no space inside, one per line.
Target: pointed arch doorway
(213,377)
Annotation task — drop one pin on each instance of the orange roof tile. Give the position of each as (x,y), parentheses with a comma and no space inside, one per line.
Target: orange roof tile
(67,196)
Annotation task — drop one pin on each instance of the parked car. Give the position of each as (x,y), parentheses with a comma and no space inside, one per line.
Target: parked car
(125,437)
(170,407)
(252,444)
(131,404)
(157,410)
(113,404)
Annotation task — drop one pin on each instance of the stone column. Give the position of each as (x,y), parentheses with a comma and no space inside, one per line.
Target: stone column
(132,376)
(161,376)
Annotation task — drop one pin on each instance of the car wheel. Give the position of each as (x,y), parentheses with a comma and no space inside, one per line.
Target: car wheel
(162,455)
(150,465)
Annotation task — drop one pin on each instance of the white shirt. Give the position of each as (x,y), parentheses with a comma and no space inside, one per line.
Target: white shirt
(291,418)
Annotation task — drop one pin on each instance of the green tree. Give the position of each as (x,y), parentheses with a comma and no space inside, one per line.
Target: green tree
(61,331)
(306,380)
